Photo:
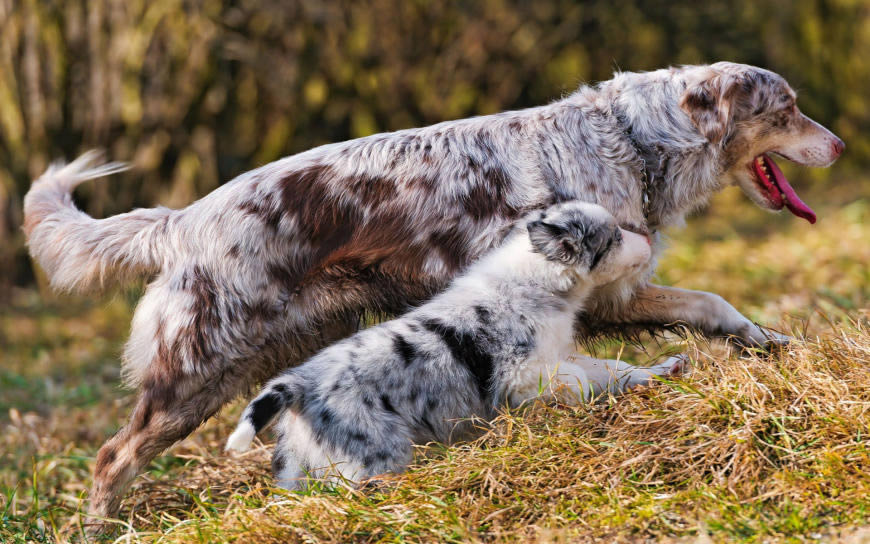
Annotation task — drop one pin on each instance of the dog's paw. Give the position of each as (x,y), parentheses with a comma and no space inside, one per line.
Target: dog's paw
(375,484)
(755,339)
(672,367)
(677,365)
(776,341)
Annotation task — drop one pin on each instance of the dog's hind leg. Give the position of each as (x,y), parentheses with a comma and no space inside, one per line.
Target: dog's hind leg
(172,404)
(168,409)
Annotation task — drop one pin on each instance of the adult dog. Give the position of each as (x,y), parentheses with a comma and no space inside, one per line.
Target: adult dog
(280,261)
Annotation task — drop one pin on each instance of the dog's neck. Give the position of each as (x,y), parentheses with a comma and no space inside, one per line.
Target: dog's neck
(679,169)
(651,169)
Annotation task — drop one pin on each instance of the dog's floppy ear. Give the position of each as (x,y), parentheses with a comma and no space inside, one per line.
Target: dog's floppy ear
(709,103)
(554,241)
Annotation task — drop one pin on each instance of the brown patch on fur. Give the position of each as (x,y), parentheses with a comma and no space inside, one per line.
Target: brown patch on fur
(483,141)
(324,219)
(142,418)
(191,342)
(701,103)
(713,103)
(260,310)
(426,156)
(105,457)
(206,316)
(451,246)
(488,197)
(377,270)
(168,358)
(285,273)
(400,149)
(372,191)
(429,184)
(265,210)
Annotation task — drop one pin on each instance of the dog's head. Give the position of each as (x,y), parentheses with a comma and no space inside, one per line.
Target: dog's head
(586,238)
(750,114)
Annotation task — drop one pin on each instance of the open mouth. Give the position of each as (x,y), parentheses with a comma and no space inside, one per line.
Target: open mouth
(777,189)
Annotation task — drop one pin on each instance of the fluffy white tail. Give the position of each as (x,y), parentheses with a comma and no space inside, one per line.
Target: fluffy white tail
(79,252)
(242,437)
(280,394)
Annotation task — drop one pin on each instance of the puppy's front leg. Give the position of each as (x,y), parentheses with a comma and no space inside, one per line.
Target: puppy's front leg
(616,377)
(708,313)
(583,378)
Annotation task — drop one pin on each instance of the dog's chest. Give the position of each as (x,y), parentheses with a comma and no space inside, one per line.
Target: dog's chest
(554,337)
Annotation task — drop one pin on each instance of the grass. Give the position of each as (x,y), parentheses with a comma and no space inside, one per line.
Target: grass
(754,449)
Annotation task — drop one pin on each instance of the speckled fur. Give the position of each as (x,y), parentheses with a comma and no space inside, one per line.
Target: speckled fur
(280,261)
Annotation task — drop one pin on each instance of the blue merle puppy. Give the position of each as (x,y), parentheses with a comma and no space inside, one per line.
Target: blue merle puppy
(500,334)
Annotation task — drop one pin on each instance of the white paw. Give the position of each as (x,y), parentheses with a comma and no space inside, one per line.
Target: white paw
(672,367)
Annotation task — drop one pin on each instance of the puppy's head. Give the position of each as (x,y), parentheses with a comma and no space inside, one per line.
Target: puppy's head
(585,237)
(751,114)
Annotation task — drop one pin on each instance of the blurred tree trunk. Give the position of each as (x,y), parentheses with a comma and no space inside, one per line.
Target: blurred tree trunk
(194,92)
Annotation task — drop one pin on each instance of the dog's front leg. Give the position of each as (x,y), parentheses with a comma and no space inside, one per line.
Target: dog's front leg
(712,315)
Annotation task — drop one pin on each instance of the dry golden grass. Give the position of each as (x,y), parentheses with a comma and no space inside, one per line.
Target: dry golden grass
(741,448)
(759,448)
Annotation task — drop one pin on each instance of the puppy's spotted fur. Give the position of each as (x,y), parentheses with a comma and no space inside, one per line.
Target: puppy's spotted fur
(498,333)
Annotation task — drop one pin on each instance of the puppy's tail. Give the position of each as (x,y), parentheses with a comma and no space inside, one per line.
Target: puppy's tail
(282,393)
(79,252)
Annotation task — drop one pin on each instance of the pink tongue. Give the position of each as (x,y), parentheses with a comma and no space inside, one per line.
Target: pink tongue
(792,201)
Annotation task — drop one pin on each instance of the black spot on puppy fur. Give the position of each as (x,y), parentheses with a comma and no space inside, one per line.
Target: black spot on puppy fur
(388,406)
(407,351)
(466,351)
(263,409)
(483,315)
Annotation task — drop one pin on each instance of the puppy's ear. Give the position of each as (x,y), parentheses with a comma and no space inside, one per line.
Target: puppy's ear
(709,103)
(555,242)
(598,241)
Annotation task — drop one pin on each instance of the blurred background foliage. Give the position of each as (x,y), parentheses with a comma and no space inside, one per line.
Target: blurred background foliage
(195,92)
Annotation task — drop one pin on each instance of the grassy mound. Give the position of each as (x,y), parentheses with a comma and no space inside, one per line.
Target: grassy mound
(757,448)
(744,448)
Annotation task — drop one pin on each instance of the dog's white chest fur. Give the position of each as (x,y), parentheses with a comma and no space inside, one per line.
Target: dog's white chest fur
(554,341)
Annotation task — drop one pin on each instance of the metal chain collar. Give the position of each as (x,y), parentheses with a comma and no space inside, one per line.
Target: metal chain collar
(644,179)
(644,171)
